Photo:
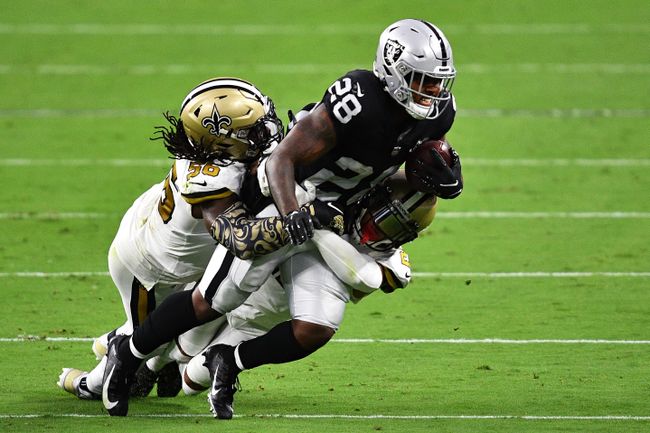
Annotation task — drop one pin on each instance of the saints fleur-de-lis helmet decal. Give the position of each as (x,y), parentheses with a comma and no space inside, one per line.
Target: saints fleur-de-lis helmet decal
(229,119)
(216,123)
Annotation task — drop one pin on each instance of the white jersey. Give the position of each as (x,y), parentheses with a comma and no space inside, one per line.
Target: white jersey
(159,239)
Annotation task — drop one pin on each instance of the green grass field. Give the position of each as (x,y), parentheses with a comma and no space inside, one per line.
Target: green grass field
(530,306)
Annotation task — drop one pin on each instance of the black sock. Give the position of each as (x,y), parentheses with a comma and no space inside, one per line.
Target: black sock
(275,347)
(170,319)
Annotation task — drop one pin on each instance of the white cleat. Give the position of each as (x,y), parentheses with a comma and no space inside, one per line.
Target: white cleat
(73,381)
(100,346)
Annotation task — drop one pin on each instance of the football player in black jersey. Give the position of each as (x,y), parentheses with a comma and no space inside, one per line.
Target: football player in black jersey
(368,121)
(358,135)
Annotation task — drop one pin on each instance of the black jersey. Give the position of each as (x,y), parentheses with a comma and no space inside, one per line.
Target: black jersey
(373,136)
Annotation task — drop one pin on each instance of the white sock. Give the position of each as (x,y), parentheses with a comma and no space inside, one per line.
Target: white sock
(238,359)
(95,378)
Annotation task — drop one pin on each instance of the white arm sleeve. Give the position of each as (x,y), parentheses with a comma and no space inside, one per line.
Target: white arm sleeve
(304,195)
(352,267)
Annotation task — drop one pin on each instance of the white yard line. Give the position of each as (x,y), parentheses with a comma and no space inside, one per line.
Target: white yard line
(581,341)
(554,113)
(444,215)
(53,274)
(599,274)
(56,215)
(238,30)
(468,161)
(530,274)
(353,417)
(74,162)
(486,341)
(554,162)
(312,68)
(485,162)
(543,215)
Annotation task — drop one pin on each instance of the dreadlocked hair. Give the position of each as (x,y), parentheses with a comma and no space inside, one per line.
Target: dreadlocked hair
(179,145)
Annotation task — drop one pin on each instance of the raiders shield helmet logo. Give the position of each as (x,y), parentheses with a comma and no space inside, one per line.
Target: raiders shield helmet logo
(216,122)
(392,51)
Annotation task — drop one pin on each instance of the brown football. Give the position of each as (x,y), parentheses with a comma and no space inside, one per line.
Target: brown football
(423,153)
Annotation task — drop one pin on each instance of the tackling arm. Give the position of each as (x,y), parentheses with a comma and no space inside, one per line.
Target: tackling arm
(247,237)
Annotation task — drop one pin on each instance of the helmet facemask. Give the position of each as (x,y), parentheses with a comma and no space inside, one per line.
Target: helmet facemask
(266,131)
(387,218)
(418,101)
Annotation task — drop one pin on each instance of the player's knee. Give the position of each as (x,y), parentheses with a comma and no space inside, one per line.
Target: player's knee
(196,377)
(202,308)
(311,336)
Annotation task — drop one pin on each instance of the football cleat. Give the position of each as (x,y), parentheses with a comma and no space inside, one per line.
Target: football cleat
(169,381)
(220,361)
(100,344)
(117,379)
(73,381)
(143,381)
(99,348)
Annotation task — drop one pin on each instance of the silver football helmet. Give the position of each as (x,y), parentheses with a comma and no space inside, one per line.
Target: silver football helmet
(413,56)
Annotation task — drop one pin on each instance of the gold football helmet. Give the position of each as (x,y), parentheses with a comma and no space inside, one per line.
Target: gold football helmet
(223,118)
(392,214)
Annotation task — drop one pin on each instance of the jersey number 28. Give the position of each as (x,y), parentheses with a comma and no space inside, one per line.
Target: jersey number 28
(345,103)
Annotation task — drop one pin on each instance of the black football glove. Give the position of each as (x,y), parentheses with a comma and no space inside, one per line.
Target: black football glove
(327,216)
(445,181)
(299,225)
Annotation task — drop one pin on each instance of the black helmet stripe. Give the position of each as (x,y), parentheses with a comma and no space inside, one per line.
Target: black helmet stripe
(443,47)
(218,83)
(413,199)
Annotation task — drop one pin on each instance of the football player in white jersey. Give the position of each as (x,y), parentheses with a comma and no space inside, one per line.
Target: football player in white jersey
(164,240)
(392,214)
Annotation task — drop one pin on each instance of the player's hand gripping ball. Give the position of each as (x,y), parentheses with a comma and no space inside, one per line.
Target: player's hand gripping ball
(433,166)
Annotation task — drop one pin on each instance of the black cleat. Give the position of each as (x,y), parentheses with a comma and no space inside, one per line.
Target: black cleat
(169,381)
(220,361)
(117,379)
(143,381)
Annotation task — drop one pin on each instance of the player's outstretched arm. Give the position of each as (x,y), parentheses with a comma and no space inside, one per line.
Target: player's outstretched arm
(247,237)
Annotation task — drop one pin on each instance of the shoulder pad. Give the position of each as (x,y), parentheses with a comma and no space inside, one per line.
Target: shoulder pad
(202,182)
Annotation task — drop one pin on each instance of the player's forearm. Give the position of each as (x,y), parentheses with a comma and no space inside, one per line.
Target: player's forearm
(247,237)
(281,176)
(309,140)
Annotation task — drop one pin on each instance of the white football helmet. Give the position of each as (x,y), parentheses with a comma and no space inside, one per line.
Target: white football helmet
(411,54)
(392,214)
(229,118)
